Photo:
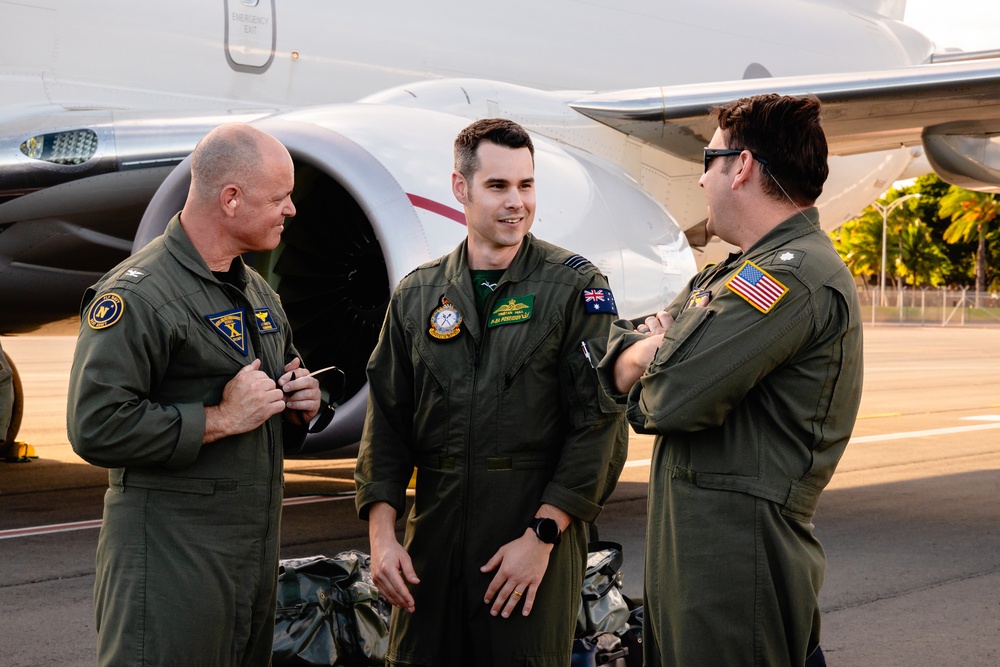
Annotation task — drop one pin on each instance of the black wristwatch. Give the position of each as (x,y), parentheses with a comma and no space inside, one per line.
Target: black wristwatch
(547,530)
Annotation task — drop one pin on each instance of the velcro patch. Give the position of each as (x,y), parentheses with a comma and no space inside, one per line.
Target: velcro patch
(511,311)
(229,325)
(758,288)
(599,300)
(133,274)
(265,321)
(105,311)
(578,262)
(788,258)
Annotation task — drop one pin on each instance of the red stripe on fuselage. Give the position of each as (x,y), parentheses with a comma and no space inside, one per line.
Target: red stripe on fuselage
(436,207)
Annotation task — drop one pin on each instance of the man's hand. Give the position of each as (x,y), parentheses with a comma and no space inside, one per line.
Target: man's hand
(391,566)
(248,400)
(301,393)
(634,361)
(522,564)
(656,324)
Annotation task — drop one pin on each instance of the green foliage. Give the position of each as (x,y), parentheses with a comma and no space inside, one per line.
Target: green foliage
(945,237)
(973,218)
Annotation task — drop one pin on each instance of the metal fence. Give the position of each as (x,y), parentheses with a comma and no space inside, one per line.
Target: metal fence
(930,306)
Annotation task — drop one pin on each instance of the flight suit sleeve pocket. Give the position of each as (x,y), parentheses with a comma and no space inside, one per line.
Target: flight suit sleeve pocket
(683,336)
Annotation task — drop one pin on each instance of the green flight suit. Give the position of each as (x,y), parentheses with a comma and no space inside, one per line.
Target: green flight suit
(498,420)
(188,551)
(752,411)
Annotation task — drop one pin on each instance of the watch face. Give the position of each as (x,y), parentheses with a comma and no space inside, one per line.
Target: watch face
(547,530)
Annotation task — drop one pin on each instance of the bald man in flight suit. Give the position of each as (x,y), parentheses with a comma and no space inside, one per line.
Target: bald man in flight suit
(185,383)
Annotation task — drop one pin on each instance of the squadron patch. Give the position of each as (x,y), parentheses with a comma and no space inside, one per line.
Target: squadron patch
(758,288)
(698,298)
(265,321)
(229,325)
(105,311)
(445,320)
(599,300)
(513,310)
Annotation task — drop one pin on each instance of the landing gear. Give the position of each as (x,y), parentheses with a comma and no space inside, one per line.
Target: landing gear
(10,448)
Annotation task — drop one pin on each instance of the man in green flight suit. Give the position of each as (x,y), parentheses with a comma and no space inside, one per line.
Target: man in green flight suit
(751,381)
(484,380)
(184,385)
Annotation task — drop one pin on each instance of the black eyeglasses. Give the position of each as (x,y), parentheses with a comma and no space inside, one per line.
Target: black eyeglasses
(723,152)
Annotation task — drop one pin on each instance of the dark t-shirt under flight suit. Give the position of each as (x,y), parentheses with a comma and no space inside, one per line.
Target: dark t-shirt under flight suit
(498,416)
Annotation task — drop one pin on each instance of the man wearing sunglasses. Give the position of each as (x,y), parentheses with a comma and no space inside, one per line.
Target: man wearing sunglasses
(751,381)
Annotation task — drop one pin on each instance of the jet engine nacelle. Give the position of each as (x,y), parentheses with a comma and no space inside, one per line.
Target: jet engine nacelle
(965,155)
(374,201)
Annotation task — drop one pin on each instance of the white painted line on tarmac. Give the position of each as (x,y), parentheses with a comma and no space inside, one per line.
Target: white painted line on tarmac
(46,530)
(33,531)
(904,435)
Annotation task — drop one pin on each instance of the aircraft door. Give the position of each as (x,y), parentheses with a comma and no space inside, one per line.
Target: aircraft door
(250,35)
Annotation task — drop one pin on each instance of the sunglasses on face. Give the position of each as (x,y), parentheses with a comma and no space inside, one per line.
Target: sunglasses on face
(723,152)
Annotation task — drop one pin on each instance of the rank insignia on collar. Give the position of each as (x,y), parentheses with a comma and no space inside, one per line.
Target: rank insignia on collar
(698,298)
(599,300)
(105,311)
(511,311)
(789,258)
(265,321)
(445,320)
(229,325)
(133,274)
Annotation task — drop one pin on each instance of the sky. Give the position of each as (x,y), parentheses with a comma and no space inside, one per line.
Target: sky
(971,25)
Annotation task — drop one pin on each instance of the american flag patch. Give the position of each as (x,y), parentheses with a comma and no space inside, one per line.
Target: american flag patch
(757,287)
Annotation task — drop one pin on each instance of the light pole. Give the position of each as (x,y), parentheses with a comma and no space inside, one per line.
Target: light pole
(885,210)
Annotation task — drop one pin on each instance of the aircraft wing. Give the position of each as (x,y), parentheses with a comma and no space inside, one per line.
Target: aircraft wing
(952,108)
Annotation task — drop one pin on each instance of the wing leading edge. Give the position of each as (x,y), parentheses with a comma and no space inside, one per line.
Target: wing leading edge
(952,108)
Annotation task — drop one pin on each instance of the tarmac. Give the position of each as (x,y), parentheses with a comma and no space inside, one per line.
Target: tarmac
(910,521)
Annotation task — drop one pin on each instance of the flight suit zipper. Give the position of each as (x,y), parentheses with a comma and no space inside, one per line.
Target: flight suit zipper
(477,358)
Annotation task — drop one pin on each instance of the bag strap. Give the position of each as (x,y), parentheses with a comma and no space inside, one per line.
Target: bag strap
(610,568)
(291,593)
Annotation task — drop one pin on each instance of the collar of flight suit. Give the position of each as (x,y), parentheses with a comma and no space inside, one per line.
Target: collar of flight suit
(527,258)
(456,271)
(795,226)
(180,246)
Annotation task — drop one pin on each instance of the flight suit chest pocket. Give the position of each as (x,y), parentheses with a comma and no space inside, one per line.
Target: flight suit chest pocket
(683,336)
(431,391)
(527,386)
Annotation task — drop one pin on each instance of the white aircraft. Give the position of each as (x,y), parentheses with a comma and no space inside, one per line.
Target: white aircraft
(103,100)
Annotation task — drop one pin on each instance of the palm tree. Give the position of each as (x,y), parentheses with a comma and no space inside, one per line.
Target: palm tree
(920,260)
(858,242)
(973,216)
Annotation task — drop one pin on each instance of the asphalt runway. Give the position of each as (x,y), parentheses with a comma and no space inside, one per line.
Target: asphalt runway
(910,521)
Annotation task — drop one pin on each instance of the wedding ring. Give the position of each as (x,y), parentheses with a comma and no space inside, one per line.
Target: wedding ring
(517,593)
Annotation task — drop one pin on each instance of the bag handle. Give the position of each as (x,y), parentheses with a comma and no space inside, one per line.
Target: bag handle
(610,569)
(291,592)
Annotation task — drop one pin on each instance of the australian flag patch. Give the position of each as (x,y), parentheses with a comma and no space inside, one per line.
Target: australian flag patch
(599,300)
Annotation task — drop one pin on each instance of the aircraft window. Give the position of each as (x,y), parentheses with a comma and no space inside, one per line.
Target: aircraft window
(70,147)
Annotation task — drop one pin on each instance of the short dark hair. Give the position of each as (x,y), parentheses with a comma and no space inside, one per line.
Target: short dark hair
(786,132)
(499,131)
